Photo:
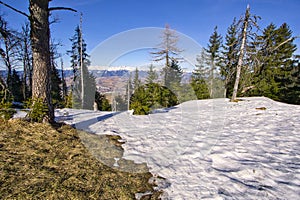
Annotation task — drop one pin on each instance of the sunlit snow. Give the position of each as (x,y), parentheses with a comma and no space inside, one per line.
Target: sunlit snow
(212,149)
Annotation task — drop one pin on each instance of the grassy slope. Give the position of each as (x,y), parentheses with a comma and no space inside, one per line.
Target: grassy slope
(38,161)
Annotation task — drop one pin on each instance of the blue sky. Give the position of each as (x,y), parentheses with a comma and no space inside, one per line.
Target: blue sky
(196,19)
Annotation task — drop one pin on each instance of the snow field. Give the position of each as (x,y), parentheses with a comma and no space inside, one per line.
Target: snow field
(211,149)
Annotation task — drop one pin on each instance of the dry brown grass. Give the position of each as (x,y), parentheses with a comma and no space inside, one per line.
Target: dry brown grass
(38,161)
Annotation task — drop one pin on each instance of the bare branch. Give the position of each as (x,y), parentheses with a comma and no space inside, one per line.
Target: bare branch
(14,9)
(62,8)
(292,38)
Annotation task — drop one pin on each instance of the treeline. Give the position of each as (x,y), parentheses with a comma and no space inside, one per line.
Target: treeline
(16,82)
(247,61)
(263,57)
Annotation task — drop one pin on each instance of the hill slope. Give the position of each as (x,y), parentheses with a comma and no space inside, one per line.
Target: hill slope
(212,149)
(38,161)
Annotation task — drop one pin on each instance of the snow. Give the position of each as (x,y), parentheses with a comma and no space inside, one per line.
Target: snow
(210,149)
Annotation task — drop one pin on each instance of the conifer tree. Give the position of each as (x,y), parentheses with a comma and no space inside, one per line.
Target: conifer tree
(213,53)
(16,87)
(136,79)
(83,94)
(173,76)
(274,66)
(152,75)
(56,82)
(199,77)
(229,58)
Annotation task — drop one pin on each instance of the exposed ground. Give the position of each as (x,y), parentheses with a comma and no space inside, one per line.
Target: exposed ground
(38,161)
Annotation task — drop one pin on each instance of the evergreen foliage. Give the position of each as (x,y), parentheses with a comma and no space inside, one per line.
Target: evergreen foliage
(38,109)
(151,96)
(102,102)
(173,75)
(56,90)
(275,69)
(16,87)
(152,75)
(229,58)
(136,80)
(200,76)
(119,103)
(214,58)
(83,97)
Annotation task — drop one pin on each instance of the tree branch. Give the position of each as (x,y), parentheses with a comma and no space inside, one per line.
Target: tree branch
(14,9)
(61,8)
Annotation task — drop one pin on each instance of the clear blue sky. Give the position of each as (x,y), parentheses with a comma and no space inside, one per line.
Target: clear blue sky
(194,18)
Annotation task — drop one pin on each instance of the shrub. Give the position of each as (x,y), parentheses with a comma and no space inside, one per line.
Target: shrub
(38,109)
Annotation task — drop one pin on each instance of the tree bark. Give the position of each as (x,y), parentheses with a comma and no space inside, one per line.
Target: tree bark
(40,34)
(241,56)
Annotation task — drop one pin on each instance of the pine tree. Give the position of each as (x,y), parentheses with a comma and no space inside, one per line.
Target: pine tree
(152,75)
(129,90)
(213,53)
(285,48)
(16,87)
(173,76)
(274,67)
(84,86)
(136,79)
(151,96)
(294,89)
(102,102)
(75,53)
(199,77)
(56,82)
(229,58)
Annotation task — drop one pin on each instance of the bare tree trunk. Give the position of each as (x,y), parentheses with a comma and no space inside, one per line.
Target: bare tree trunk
(64,86)
(212,78)
(241,56)
(40,34)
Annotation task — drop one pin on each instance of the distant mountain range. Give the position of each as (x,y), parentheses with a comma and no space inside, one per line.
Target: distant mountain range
(108,80)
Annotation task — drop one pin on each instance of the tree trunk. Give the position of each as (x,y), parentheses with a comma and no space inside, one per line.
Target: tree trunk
(241,56)
(212,78)
(40,34)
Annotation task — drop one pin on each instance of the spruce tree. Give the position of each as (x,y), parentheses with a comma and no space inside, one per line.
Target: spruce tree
(274,67)
(173,76)
(136,79)
(56,82)
(213,53)
(84,85)
(229,58)
(199,77)
(16,87)
(152,75)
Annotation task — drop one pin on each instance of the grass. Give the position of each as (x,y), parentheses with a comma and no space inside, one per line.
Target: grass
(38,161)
